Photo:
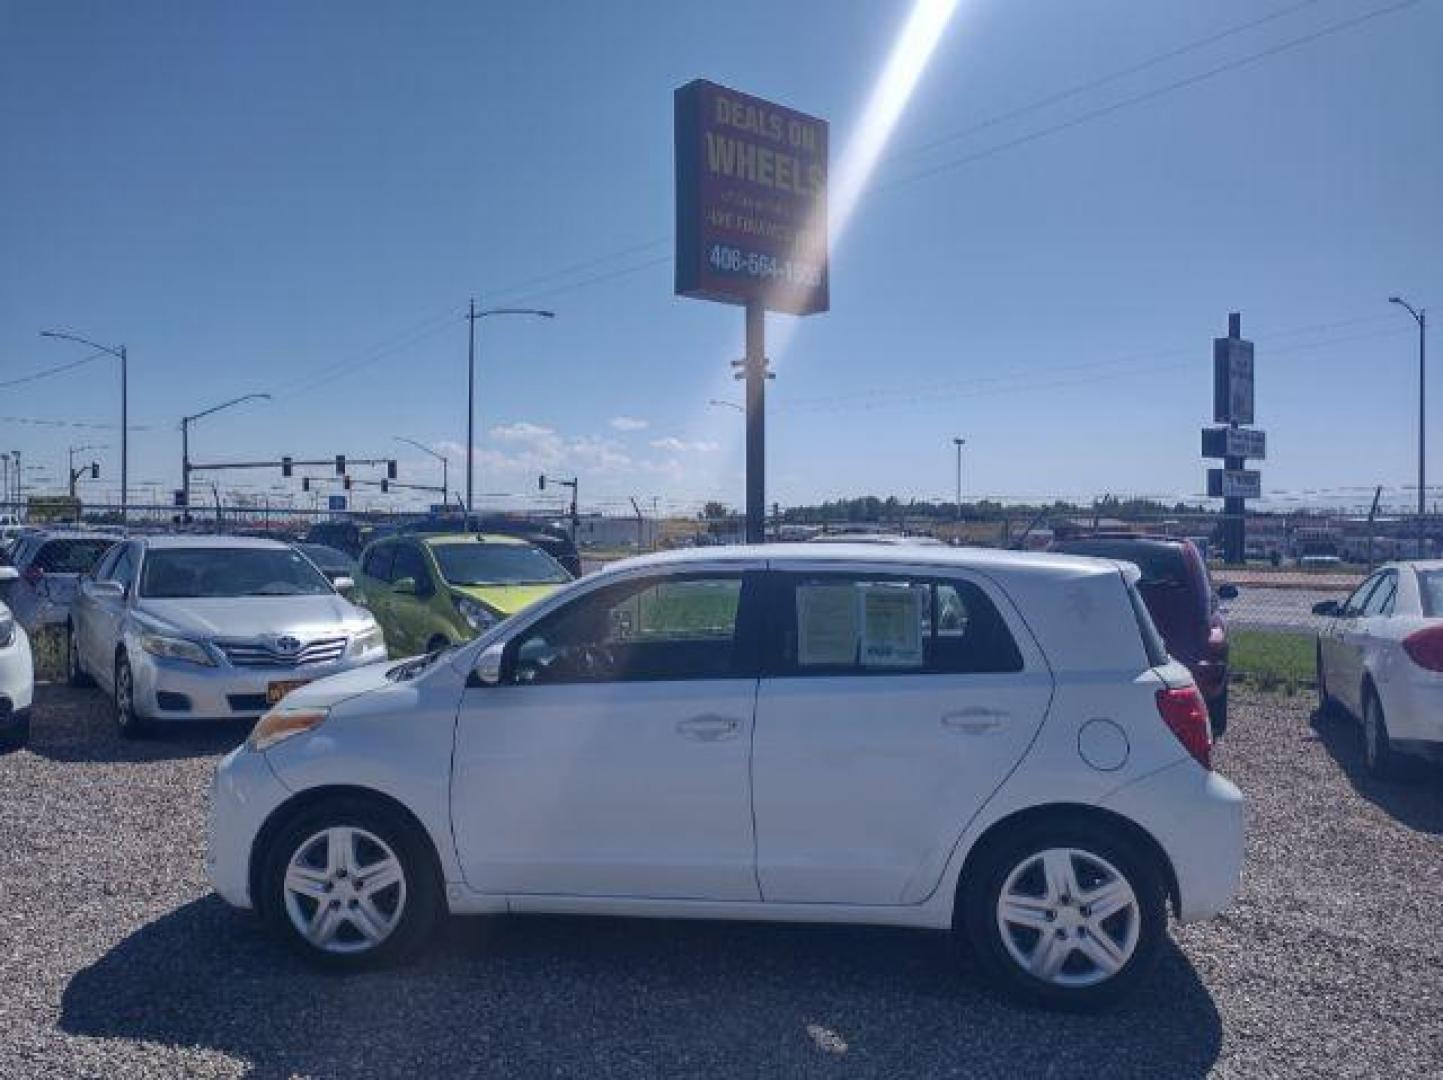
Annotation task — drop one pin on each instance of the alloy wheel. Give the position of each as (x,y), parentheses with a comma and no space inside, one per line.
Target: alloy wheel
(72,656)
(124,695)
(344,890)
(1068,917)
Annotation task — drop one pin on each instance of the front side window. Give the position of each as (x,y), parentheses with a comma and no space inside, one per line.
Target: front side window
(847,624)
(1355,603)
(410,563)
(683,628)
(177,573)
(123,572)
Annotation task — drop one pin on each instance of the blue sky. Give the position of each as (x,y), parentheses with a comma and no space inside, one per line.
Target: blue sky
(299,198)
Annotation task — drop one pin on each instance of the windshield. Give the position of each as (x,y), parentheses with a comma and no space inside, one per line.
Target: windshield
(1430,588)
(497,564)
(70,556)
(219,572)
(327,558)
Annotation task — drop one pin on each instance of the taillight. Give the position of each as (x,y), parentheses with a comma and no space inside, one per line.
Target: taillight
(1425,648)
(1186,715)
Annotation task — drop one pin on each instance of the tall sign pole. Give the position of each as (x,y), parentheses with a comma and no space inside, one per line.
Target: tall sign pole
(1236,442)
(751,230)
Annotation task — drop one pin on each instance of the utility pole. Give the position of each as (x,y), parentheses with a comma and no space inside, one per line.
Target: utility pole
(959,443)
(75,474)
(119,353)
(1420,316)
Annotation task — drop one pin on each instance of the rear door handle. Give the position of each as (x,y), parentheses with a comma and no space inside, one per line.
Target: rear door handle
(976,721)
(709,728)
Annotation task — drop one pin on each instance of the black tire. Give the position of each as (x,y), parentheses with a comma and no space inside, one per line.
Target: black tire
(1379,757)
(977,915)
(75,675)
(419,900)
(17,736)
(1218,714)
(129,724)
(1326,705)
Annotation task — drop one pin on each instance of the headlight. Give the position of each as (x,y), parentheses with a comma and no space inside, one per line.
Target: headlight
(7,629)
(278,725)
(174,648)
(478,616)
(370,639)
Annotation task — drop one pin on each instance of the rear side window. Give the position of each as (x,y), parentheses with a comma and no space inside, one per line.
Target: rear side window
(1152,642)
(70,556)
(843,624)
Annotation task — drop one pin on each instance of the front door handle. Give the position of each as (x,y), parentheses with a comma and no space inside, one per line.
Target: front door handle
(709,728)
(976,721)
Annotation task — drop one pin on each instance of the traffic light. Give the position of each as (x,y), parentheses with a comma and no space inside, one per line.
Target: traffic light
(541,482)
(385,486)
(286,469)
(390,470)
(341,465)
(346,482)
(305,483)
(95,470)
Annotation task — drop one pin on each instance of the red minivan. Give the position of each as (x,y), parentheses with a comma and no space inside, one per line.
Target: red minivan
(1180,597)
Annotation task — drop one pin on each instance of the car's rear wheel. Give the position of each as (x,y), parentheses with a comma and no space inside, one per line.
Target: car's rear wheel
(74,672)
(1326,704)
(349,884)
(128,722)
(1379,757)
(1064,916)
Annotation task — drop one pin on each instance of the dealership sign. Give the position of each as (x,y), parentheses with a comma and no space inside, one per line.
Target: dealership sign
(1232,381)
(751,201)
(1226,442)
(1235,483)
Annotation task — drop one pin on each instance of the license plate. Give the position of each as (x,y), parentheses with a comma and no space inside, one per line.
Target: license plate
(277,690)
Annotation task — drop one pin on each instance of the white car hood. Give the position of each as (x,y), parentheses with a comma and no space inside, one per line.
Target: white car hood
(243,617)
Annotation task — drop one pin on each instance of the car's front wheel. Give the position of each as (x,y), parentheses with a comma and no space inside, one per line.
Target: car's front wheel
(1064,916)
(128,721)
(349,883)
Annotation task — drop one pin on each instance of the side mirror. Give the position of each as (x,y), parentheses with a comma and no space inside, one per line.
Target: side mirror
(1227,592)
(1328,608)
(343,583)
(488,664)
(405,586)
(8,574)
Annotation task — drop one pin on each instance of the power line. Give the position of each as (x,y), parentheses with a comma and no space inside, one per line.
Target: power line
(1100,81)
(57,370)
(1150,95)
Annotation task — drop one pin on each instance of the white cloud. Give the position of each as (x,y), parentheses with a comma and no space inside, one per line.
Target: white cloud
(681,446)
(521,431)
(629,423)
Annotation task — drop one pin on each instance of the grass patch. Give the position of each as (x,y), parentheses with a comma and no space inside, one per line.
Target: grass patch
(1273,661)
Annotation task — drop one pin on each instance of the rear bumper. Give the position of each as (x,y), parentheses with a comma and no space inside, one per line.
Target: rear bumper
(1197,817)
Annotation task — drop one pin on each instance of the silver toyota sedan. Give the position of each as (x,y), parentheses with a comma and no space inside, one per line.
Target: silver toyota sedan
(210,627)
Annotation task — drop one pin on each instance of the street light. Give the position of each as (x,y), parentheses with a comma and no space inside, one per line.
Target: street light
(94,467)
(1420,316)
(440,457)
(185,422)
(119,353)
(471,317)
(719,403)
(959,443)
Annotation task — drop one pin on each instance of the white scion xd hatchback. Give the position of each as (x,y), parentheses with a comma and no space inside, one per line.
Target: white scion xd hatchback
(923,737)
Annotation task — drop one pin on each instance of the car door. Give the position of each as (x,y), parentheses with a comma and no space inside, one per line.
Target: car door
(613,757)
(410,610)
(1370,632)
(83,616)
(374,590)
(104,612)
(1342,644)
(892,705)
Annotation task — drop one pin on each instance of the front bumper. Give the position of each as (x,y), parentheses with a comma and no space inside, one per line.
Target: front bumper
(243,795)
(1197,817)
(177,689)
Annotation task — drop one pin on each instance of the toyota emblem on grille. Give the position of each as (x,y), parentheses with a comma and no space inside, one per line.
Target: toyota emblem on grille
(288,645)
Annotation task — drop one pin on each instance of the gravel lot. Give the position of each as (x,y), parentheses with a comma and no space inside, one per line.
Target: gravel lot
(116,960)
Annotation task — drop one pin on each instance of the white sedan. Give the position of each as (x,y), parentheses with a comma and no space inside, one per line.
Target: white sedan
(913,736)
(17,679)
(1381,658)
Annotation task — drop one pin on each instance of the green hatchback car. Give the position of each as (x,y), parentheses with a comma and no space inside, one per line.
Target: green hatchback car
(428,592)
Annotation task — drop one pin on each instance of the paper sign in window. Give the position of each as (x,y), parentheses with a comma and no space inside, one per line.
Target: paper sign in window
(892,626)
(826,624)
